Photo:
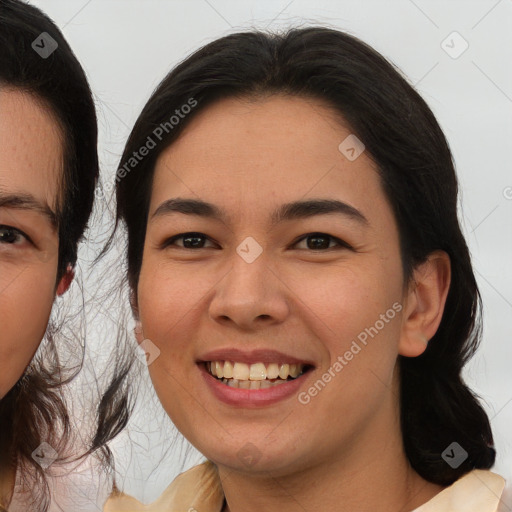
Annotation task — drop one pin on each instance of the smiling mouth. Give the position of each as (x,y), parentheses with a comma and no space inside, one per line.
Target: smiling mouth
(254,376)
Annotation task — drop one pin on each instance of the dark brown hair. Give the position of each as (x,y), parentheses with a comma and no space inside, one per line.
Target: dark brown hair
(415,166)
(34,410)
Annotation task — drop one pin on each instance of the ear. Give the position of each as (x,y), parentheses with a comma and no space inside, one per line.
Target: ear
(425,301)
(139,334)
(65,280)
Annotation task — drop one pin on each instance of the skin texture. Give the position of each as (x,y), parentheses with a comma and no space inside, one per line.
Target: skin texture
(30,164)
(31,159)
(249,157)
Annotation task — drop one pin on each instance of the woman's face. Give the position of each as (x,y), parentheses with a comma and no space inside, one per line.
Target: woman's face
(294,266)
(30,166)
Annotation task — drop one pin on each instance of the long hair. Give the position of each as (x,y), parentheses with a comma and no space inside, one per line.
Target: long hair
(415,166)
(34,410)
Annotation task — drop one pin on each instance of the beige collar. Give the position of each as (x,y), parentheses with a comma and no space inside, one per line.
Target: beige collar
(477,491)
(199,489)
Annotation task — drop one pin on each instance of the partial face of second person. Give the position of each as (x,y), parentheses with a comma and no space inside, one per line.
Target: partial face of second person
(281,296)
(30,170)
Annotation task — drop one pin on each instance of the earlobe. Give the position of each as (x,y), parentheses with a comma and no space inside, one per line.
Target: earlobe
(425,304)
(66,280)
(139,334)
(413,347)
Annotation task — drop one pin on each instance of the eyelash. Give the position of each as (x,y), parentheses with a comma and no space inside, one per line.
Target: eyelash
(193,234)
(18,233)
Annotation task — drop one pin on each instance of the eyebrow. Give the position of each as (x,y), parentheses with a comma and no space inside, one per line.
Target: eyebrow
(287,211)
(28,202)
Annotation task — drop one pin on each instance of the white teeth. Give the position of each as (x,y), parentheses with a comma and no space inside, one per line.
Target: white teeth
(254,376)
(241,371)
(219,369)
(272,371)
(258,372)
(228,370)
(284,371)
(294,370)
(252,384)
(244,384)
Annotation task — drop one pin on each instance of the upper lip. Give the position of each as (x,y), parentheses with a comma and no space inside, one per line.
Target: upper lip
(251,356)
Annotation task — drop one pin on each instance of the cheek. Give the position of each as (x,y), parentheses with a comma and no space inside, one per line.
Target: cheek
(343,300)
(166,301)
(169,303)
(25,306)
(354,312)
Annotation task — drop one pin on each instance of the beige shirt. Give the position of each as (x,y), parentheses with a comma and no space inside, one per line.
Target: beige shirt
(199,490)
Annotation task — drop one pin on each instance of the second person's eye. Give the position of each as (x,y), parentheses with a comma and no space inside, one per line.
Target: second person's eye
(11,236)
(191,240)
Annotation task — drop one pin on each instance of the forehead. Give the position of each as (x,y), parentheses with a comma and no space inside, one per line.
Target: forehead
(253,153)
(31,152)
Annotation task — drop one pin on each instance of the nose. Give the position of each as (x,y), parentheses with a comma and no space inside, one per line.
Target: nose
(250,296)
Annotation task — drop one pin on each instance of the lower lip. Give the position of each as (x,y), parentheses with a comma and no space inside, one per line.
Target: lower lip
(251,397)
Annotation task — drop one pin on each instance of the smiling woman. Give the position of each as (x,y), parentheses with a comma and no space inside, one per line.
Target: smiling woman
(48,172)
(299,272)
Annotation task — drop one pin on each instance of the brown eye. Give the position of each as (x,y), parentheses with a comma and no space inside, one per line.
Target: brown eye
(190,241)
(193,241)
(10,235)
(322,241)
(318,242)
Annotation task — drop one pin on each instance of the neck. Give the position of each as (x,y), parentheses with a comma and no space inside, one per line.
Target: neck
(331,487)
(371,473)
